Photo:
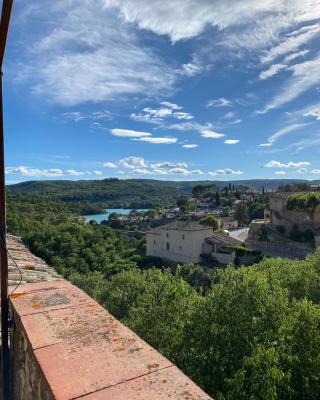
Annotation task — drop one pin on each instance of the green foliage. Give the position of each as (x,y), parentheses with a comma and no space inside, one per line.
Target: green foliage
(242,213)
(210,220)
(240,333)
(303,201)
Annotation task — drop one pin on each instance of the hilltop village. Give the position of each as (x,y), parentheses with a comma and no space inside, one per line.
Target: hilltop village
(233,225)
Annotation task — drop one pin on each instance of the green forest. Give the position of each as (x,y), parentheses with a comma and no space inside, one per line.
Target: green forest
(238,332)
(91,196)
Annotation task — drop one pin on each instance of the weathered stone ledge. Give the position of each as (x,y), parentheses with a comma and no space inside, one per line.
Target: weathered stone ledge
(66,346)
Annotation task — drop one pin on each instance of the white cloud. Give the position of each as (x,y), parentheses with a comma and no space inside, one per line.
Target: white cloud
(229,115)
(73,172)
(314,111)
(179,171)
(302,171)
(273,70)
(190,126)
(221,102)
(133,162)
(291,43)
(49,173)
(280,172)
(227,171)
(129,133)
(316,171)
(158,140)
(83,53)
(183,115)
(304,76)
(295,55)
(291,164)
(209,134)
(196,172)
(190,146)
(167,110)
(232,141)
(186,19)
(235,122)
(27,171)
(167,164)
(109,165)
(192,68)
(98,172)
(282,132)
(77,116)
(141,171)
(173,106)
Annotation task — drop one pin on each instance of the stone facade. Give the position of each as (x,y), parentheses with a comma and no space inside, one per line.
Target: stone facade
(180,241)
(28,383)
(280,216)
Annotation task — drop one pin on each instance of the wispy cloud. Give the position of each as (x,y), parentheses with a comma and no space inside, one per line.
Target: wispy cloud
(209,134)
(232,141)
(157,115)
(140,166)
(86,54)
(190,146)
(158,140)
(291,43)
(304,76)
(129,133)
(109,165)
(77,116)
(282,132)
(291,164)
(226,171)
(45,173)
(169,17)
(221,102)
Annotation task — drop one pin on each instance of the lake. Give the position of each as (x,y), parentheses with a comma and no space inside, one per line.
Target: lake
(100,217)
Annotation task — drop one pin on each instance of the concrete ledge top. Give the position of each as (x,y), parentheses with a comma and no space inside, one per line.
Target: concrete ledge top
(83,352)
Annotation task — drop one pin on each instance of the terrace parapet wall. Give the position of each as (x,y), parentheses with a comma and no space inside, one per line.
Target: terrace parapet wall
(66,346)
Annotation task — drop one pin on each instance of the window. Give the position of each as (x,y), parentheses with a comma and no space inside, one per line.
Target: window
(180,248)
(167,234)
(154,242)
(168,246)
(183,237)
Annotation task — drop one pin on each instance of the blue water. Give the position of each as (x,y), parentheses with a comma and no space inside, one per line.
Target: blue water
(100,217)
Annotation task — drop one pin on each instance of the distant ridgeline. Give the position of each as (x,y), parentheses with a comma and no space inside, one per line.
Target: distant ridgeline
(131,193)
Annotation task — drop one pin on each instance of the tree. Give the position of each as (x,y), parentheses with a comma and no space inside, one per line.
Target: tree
(241,213)
(226,212)
(210,220)
(218,200)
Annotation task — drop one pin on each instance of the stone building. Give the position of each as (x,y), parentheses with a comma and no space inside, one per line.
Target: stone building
(228,223)
(188,242)
(179,241)
(280,216)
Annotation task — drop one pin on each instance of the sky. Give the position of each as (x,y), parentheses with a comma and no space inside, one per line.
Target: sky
(163,89)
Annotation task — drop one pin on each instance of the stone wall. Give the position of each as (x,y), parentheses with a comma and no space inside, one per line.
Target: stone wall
(28,384)
(66,347)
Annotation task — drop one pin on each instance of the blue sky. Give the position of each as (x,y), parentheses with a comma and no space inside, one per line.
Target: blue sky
(163,89)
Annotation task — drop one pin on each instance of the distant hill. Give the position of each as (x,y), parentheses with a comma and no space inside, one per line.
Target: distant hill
(132,192)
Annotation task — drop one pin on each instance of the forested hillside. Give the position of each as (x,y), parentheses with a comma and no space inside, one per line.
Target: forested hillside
(130,193)
(240,333)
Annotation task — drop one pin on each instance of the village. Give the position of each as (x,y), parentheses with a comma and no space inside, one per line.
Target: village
(236,226)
